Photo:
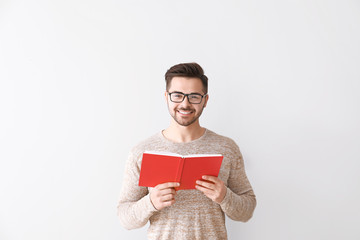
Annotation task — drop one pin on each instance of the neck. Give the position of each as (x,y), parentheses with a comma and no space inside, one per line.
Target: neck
(178,133)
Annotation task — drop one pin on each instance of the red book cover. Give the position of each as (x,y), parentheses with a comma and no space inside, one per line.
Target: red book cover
(159,168)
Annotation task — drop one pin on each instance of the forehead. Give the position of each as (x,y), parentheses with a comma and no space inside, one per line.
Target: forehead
(186,85)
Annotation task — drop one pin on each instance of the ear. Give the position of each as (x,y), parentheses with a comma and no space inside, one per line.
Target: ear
(166,96)
(206,99)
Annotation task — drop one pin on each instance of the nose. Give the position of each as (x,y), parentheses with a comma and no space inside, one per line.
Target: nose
(186,102)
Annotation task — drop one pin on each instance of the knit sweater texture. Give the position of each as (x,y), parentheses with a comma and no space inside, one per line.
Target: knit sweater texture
(193,216)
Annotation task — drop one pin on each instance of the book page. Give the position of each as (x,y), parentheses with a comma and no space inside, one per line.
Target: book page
(202,155)
(164,153)
(178,155)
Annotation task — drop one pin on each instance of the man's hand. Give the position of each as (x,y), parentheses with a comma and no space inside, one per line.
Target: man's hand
(163,195)
(212,187)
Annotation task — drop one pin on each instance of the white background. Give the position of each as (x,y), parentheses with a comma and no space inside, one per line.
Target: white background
(83,81)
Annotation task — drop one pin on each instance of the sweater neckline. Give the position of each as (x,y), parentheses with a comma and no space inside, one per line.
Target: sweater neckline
(183,143)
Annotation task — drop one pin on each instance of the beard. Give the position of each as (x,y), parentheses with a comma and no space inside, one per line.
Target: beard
(185,121)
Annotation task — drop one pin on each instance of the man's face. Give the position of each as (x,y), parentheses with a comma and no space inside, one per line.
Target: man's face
(185,113)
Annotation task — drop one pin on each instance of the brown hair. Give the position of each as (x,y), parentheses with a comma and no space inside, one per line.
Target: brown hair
(193,70)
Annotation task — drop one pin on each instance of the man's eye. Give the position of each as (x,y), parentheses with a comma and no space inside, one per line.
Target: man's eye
(194,96)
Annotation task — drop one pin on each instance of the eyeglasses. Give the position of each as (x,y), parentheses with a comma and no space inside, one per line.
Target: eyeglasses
(193,98)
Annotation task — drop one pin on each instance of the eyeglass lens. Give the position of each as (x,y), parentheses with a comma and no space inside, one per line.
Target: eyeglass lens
(179,97)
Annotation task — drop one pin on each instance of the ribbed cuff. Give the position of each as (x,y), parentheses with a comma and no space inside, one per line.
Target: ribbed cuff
(227,199)
(149,206)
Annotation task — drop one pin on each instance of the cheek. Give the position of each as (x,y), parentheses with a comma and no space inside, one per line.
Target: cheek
(201,106)
(198,109)
(171,105)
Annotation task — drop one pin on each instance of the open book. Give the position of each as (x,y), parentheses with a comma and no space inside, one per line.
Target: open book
(157,167)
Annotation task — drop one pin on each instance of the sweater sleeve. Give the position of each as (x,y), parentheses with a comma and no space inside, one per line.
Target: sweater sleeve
(134,206)
(239,202)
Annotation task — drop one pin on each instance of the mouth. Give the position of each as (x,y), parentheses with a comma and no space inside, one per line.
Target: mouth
(185,112)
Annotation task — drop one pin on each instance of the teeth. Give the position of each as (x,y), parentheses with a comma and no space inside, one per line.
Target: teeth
(184,112)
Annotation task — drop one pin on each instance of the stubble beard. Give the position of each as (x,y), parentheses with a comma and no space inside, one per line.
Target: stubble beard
(182,122)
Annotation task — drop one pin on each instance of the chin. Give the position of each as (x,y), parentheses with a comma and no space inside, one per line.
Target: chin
(186,123)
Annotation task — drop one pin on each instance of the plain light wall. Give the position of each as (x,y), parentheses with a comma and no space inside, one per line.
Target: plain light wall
(81,82)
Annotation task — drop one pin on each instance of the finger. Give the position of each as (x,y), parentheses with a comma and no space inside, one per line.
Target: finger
(168,203)
(205,184)
(167,185)
(160,194)
(211,178)
(168,191)
(205,190)
(167,198)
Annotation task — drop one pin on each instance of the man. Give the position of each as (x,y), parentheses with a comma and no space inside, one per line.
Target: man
(187,214)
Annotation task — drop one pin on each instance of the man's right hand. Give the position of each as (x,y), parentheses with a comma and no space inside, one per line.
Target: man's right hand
(163,195)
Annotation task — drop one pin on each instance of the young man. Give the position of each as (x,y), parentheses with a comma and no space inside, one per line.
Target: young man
(187,214)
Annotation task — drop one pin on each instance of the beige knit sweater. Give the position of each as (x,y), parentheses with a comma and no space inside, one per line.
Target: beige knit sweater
(193,216)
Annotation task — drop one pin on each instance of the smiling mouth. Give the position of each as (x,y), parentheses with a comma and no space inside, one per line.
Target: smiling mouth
(185,112)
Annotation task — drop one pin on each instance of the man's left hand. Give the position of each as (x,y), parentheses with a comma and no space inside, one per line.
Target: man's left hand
(212,187)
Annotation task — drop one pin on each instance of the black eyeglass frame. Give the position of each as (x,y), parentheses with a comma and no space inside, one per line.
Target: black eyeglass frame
(187,95)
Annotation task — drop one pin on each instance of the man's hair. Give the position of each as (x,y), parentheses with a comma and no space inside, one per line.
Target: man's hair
(192,70)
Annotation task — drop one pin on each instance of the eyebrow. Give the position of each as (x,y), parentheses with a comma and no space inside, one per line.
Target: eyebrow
(186,93)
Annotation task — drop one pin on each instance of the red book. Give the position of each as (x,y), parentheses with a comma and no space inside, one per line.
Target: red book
(159,168)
